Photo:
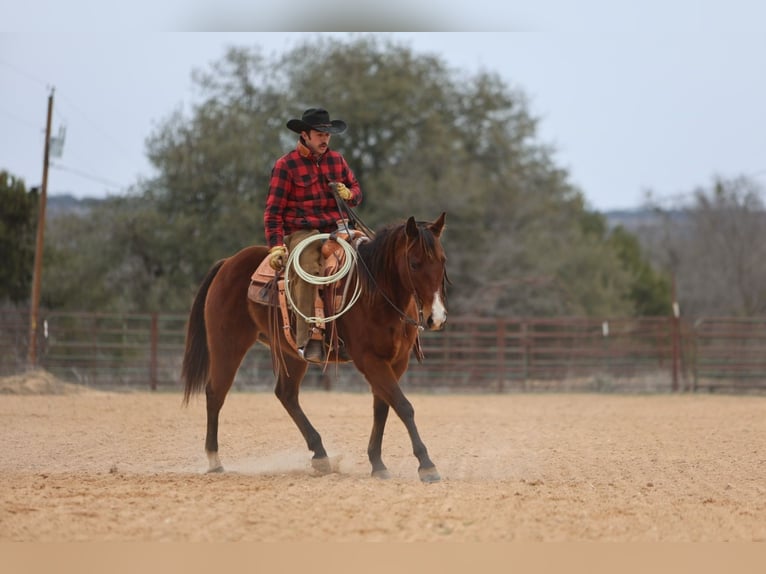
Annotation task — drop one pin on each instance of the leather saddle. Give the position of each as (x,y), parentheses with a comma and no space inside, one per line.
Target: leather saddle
(267,287)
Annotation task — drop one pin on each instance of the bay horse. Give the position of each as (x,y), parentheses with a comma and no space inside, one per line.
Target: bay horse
(403,277)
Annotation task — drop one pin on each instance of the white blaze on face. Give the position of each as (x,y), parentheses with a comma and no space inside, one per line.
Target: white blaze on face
(438,312)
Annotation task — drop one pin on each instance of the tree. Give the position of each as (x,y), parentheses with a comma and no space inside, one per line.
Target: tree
(716,248)
(18,221)
(650,290)
(422,139)
(116,258)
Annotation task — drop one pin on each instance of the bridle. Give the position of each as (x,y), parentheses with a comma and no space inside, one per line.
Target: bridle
(345,210)
(420,322)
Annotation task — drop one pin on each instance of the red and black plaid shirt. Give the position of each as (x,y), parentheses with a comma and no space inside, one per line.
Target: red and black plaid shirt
(299,196)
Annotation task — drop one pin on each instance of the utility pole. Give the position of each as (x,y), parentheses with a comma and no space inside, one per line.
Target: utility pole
(35,302)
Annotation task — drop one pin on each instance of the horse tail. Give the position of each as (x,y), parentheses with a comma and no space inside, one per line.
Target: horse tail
(196,363)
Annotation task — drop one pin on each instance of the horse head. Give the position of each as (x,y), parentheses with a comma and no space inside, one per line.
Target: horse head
(424,264)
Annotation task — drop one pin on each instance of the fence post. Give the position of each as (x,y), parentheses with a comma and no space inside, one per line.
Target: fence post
(154,337)
(695,354)
(675,333)
(500,344)
(525,349)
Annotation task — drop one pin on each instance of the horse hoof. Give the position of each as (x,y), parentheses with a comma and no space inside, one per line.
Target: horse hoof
(216,470)
(321,465)
(381,474)
(429,475)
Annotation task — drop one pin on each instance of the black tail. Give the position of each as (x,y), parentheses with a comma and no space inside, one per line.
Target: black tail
(194,371)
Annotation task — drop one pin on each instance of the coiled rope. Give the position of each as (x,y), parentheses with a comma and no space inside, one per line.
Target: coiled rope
(349,264)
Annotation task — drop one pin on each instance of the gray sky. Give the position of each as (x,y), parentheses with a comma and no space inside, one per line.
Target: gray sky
(632,96)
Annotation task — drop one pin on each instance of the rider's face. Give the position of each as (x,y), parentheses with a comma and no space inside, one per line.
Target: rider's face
(317,142)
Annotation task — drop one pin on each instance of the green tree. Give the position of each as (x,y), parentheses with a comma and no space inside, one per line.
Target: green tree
(115,258)
(18,225)
(423,139)
(650,290)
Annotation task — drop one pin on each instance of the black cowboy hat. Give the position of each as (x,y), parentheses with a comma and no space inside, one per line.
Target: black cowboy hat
(317,119)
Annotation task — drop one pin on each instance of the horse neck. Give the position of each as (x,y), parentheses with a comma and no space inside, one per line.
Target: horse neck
(387,289)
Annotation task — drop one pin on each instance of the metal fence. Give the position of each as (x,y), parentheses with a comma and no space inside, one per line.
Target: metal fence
(652,354)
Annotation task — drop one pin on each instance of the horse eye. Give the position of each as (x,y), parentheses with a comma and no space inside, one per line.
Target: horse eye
(415,265)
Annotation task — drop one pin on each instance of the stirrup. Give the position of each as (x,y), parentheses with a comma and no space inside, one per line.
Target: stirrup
(315,350)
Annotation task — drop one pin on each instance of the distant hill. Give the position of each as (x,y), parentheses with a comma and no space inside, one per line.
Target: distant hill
(633,220)
(636,220)
(65,204)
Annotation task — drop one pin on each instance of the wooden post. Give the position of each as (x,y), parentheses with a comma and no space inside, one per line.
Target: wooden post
(36,280)
(676,335)
(500,354)
(154,338)
(525,343)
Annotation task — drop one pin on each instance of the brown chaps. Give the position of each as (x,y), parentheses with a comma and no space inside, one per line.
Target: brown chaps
(304,294)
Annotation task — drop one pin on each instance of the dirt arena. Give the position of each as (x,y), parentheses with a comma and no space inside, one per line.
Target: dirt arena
(84,465)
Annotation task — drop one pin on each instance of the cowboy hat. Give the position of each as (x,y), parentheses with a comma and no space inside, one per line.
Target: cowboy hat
(316,119)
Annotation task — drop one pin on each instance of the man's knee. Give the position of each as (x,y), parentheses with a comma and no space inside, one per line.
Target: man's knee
(310,258)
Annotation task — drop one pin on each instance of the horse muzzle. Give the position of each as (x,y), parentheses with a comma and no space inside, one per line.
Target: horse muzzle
(438,316)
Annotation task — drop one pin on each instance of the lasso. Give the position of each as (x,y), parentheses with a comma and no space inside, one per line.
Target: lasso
(349,263)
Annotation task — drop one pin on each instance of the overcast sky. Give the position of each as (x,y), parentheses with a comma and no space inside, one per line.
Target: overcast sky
(633,97)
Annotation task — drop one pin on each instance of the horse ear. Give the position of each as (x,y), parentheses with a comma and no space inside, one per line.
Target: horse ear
(412,228)
(438,225)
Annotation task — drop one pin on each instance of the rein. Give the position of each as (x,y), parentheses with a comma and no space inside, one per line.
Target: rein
(406,318)
(344,208)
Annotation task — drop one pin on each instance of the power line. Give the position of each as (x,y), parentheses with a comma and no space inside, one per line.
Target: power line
(31,78)
(26,74)
(67,102)
(112,140)
(87,175)
(19,119)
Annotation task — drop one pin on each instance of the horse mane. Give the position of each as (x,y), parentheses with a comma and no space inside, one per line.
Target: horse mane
(379,255)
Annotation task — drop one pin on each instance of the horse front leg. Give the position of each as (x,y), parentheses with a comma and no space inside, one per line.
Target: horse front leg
(385,386)
(287,388)
(375,447)
(404,409)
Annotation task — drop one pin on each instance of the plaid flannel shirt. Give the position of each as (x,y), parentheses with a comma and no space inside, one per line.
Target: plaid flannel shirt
(299,196)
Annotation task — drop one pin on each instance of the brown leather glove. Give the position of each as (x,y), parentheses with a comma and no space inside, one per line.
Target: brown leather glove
(278,257)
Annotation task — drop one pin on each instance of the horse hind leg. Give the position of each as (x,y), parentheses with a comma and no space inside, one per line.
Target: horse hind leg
(214,405)
(223,368)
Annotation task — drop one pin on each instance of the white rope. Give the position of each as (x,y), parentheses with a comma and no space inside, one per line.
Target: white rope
(349,264)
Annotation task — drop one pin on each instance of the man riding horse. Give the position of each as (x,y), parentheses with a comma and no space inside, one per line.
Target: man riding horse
(300,204)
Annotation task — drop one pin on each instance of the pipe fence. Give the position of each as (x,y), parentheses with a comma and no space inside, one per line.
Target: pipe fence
(648,354)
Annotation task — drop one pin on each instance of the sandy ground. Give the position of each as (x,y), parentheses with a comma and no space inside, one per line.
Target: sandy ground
(83,465)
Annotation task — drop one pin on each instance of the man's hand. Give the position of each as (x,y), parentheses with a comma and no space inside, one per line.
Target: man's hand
(343,191)
(278,257)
